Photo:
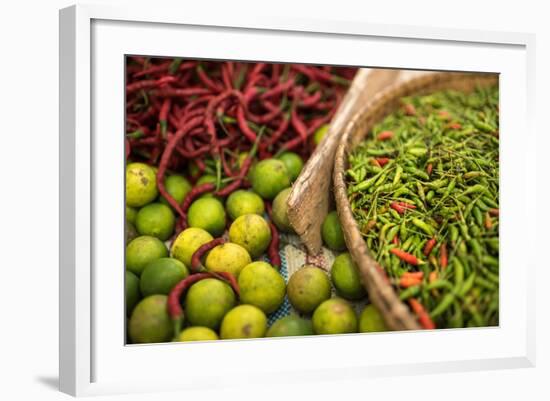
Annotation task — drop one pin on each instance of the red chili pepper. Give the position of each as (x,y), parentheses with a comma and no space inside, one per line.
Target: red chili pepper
(423,317)
(198,254)
(395,240)
(429,246)
(385,135)
(409,109)
(494,212)
(298,125)
(488,221)
(454,125)
(382,161)
(397,207)
(273,250)
(429,169)
(432,277)
(407,282)
(405,256)
(443,255)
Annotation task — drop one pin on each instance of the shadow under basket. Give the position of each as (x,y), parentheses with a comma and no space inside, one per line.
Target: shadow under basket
(381,293)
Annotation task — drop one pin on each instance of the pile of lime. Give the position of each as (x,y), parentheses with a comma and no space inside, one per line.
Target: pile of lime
(159,255)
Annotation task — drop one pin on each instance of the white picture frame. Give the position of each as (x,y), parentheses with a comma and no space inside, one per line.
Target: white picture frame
(93,357)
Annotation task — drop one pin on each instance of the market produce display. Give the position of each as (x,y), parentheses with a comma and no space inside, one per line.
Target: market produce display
(212,149)
(424,191)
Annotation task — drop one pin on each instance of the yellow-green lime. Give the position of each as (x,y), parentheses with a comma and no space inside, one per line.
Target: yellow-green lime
(269,177)
(371,320)
(177,186)
(293,163)
(345,277)
(320,134)
(197,333)
(280,211)
(205,179)
(150,322)
(141,184)
(262,286)
(156,220)
(244,321)
(131,284)
(332,234)
(187,242)
(207,302)
(243,202)
(252,233)
(227,257)
(307,288)
(334,316)
(161,275)
(131,213)
(291,325)
(208,214)
(143,250)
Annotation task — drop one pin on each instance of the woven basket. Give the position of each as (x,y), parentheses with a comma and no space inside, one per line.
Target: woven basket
(381,293)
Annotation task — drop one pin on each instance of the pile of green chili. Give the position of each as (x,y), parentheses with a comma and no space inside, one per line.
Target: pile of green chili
(423,188)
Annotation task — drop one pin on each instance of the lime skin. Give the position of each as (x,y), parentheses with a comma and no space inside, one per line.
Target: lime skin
(334,316)
(331,232)
(161,275)
(262,286)
(293,163)
(157,220)
(243,202)
(307,288)
(269,177)
(208,214)
(133,294)
(207,302)
(280,211)
(252,233)
(149,322)
(290,325)
(244,321)
(187,242)
(227,257)
(197,333)
(371,320)
(178,187)
(346,279)
(141,184)
(143,250)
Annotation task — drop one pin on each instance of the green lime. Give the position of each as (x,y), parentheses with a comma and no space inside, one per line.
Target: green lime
(197,333)
(141,184)
(177,186)
(130,231)
(131,213)
(156,220)
(252,233)
(269,177)
(244,321)
(290,325)
(320,134)
(150,322)
(207,302)
(143,250)
(227,257)
(332,232)
(244,202)
(307,288)
(371,320)
(334,316)
(187,242)
(262,286)
(205,179)
(132,291)
(161,275)
(293,163)
(208,214)
(280,211)
(345,277)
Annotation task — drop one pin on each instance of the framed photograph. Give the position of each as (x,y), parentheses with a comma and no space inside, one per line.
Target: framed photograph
(300,200)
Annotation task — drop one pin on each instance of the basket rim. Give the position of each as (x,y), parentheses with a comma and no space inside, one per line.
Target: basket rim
(395,313)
